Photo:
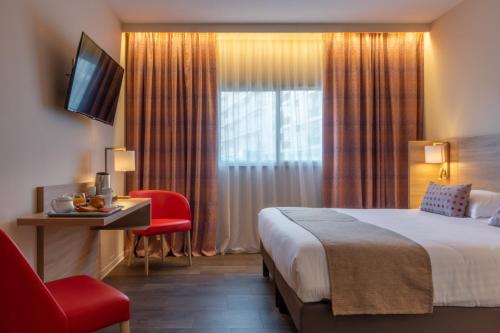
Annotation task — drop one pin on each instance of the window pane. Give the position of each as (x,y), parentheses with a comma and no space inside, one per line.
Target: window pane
(301,125)
(247,127)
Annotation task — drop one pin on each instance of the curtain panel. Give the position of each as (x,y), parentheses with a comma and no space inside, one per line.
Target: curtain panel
(171,123)
(373,105)
(270,109)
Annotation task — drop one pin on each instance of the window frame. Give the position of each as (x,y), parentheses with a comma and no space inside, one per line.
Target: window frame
(278,120)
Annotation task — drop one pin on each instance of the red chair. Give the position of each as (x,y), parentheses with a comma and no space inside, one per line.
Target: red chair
(70,305)
(170,212)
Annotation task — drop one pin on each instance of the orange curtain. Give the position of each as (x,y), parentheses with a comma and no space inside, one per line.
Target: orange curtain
(171,117)
(372,107)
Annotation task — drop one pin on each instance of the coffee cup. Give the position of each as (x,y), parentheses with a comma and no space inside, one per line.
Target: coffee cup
(107,193)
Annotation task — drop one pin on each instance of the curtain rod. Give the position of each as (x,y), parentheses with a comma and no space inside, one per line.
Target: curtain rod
(278,27)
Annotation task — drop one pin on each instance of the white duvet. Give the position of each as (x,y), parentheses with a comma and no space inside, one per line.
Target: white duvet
(464,253)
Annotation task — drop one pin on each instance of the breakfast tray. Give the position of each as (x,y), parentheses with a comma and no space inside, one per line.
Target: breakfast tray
(85,214)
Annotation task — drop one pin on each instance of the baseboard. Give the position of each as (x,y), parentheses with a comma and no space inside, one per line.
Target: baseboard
(109,267)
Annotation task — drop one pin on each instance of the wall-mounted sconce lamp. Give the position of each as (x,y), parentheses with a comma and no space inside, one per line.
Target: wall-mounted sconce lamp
(438,153)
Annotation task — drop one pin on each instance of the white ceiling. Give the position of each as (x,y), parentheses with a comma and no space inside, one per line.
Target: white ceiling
(281,11)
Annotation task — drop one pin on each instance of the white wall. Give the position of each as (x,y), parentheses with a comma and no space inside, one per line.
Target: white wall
(112,242)
(463,72)
(40,143)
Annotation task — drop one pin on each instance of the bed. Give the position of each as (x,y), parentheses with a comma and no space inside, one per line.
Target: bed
(464,255)
(465,259)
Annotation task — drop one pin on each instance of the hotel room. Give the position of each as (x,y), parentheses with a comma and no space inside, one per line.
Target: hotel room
(250,166)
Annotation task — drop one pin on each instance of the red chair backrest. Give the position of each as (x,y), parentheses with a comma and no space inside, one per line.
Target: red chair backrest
(165,204)
(26,305)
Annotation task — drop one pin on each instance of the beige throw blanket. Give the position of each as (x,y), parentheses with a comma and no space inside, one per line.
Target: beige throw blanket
(373,271)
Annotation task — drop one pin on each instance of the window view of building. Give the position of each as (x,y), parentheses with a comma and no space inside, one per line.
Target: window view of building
(259,127)
(300,125)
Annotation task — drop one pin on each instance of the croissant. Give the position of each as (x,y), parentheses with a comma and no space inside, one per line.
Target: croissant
(97,202)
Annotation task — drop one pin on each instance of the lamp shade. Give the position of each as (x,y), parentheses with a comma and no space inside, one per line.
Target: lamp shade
(435,154)
(124,161)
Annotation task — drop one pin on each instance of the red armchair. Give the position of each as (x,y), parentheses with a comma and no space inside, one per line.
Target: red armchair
(170,212)
(72,305)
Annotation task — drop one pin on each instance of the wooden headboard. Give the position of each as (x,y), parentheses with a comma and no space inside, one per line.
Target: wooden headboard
(474,160)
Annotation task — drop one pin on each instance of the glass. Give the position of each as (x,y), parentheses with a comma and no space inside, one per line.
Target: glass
(79,199)
(247,127)
(301,125)
(260,127)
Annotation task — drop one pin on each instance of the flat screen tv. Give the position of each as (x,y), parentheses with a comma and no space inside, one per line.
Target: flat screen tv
(95,83)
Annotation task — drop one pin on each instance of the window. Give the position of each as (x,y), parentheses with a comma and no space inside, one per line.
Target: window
(269,127)
(270,98)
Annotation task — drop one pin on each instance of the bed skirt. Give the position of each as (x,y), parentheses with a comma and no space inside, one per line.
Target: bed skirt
(317,317)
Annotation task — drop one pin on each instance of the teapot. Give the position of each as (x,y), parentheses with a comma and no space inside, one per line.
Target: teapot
(62,204)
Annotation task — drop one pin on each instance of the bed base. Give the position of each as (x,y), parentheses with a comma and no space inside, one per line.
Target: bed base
(318,318)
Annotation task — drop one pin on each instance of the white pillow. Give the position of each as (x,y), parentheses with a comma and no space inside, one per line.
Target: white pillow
(482,204)
(495,219)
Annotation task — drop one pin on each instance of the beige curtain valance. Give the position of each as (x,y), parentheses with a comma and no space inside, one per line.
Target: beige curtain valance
(269,61)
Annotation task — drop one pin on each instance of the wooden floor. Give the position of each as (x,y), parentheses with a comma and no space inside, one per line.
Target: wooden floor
(222,294)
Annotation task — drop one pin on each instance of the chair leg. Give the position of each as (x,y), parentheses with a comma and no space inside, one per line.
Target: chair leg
(125,327)
(146,254)
(189,247)
(131,254)
(162,238)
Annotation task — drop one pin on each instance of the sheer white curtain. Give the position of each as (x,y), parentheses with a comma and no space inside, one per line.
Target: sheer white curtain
(270,130)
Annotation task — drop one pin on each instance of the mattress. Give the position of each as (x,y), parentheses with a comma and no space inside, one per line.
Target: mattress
(464,253)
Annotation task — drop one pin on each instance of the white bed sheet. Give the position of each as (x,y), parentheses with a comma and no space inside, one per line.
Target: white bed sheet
(464,253)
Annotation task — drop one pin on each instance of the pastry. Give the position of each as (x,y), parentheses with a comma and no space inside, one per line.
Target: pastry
(86,209)
(97,202)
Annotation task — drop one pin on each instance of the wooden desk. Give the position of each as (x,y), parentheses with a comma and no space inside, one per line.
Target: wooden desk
(70,245)
(127,218)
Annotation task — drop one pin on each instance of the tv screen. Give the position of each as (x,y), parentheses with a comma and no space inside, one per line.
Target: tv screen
(95,83)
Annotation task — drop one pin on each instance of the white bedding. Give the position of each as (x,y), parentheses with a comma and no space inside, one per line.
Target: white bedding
(464,253)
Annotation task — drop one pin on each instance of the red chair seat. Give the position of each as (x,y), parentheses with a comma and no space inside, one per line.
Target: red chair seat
(89,304)
(162,226)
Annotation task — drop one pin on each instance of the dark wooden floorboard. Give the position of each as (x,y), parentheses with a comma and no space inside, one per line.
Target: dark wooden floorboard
(221,294)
